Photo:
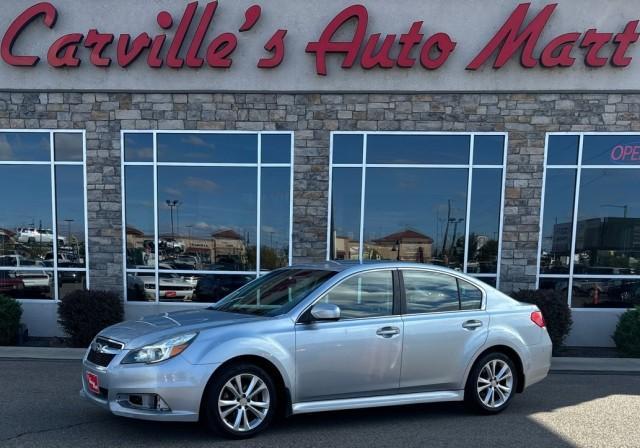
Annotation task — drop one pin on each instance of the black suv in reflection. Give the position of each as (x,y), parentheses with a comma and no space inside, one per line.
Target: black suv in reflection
(212,288)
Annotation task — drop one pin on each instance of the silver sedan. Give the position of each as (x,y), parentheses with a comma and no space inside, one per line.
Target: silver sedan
(322,337)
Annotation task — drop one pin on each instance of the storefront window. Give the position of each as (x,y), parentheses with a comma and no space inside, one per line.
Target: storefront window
(425,198)
(208,216)
(591,220)
(42,221)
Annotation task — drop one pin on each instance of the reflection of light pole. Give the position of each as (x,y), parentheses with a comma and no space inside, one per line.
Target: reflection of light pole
(68,221)
(446,230)
(455,230)
(172,204)
(271,238)
(189,227)
(396,247)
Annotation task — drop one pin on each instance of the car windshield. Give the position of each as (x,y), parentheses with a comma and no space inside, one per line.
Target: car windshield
(275,293)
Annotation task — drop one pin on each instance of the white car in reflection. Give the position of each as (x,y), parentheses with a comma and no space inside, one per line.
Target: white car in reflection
(35,280)
(171,286)
(33,235)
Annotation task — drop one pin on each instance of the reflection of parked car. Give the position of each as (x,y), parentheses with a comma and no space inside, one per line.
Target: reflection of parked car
(34,280)
(172,286)
(33,235)
(212,288)
(10,284)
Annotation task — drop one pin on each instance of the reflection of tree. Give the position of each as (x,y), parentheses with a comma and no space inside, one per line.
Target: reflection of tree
(483,251)
(270,258)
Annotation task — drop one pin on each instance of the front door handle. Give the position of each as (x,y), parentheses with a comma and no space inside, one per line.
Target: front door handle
(472,324)
(388,332)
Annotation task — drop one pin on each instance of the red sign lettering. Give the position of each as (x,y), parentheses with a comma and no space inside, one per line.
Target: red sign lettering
(518,37)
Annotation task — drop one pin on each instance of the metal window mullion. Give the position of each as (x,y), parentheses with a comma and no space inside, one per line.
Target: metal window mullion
(575,221)
(503,192)
(330,255)
(362,196)
(291,181)
(542,195)
(54,214)
(123,197)
(258,204)
(87,279)
(468,211)
(155,216)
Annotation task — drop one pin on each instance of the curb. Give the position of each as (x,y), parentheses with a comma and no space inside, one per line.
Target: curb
(43,353)
(596,365)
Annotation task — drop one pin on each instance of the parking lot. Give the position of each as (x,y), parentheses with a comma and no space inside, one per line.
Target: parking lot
(41,407)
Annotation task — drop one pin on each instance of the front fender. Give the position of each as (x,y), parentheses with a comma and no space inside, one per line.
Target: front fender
(274,341)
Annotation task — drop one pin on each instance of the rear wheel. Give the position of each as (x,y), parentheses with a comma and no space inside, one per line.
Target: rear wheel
(491,384)
(240,402)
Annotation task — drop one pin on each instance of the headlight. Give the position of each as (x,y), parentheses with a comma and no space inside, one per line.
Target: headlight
(160,351)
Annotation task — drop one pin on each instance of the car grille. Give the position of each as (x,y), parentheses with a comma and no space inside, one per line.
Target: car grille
(100,358)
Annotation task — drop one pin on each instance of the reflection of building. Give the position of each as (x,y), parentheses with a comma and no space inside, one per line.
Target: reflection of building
(225,248)
(407,245)
(345,248)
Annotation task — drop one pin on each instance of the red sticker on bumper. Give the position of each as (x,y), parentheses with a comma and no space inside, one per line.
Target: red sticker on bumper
(92,382)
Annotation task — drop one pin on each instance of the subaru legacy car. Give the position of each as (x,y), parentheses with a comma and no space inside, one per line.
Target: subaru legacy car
(323,337)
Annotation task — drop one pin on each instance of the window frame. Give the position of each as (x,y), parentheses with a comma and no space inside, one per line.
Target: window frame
(469,166)
(579,167)
(457,278)
(155,164)
(52,163)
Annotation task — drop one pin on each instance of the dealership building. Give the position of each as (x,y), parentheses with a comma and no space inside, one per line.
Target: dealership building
(172,151)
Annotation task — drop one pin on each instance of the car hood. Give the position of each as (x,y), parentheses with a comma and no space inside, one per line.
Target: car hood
(150,329)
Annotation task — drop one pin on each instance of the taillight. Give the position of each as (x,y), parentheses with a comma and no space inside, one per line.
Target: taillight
(538,319)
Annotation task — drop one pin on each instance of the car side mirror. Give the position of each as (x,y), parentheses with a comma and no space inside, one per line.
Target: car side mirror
(325,311)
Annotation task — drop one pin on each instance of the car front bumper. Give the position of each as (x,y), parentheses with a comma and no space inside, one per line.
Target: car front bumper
(178,383)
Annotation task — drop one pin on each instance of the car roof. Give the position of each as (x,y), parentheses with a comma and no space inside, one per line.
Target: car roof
(356,266)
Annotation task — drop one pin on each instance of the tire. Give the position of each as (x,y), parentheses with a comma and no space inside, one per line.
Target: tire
(485,391)
(225,409)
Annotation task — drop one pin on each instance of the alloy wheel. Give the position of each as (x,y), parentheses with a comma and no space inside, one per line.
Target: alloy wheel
(495,383)
(244,402)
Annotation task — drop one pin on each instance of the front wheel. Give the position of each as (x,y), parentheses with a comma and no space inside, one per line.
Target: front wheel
(240,402)
(491,384)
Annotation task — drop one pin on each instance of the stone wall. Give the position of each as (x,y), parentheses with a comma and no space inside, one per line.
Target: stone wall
(526,117)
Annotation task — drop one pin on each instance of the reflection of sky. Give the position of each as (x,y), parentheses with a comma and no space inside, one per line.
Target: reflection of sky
(211,199)
(139,201)
(26,196)
(275,206)
(405,198)
(485,202)
(558,202)
(208,148)
(25,146)
(605,193)
(70,200)
(427,149)
(345,214)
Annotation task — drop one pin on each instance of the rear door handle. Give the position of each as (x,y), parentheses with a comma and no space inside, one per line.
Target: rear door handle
(472,324)
(388,332)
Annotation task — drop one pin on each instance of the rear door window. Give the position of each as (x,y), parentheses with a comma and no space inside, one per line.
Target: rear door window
(430,292)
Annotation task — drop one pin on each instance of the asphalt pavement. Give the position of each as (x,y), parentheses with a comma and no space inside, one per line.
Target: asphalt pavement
(40,407)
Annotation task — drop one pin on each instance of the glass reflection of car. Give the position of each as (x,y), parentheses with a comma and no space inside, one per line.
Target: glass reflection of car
(34,235)
(171,285)
(34,280)
(212,288)
(311,338)
(10,284)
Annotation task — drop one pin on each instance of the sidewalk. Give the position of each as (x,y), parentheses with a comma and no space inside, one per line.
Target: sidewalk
(558,365)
